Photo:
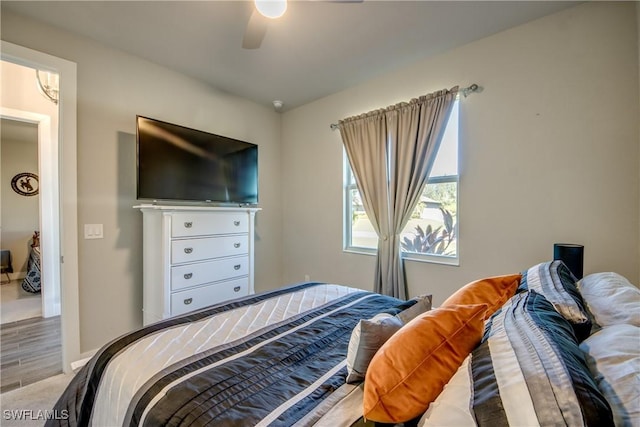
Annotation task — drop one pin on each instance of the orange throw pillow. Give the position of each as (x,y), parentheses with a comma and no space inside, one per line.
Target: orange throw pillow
(493,291)
(413,366)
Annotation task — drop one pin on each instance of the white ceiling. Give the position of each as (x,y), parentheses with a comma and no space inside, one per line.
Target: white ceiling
(317,48)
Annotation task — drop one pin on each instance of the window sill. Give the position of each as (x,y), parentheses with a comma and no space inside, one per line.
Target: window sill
(409,257)
(432,259)
(360,251)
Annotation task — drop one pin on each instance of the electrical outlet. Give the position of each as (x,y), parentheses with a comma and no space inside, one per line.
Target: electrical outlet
(307,278)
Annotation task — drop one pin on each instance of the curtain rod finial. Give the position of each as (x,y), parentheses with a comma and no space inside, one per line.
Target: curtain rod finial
(470,89)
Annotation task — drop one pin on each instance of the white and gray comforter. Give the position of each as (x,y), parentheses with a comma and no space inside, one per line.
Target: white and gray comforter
(266,359)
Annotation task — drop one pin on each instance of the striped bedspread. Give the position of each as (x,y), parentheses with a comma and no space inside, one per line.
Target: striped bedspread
(266,359)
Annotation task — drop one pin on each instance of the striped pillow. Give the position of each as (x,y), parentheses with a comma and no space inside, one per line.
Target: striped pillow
(555,281)
(528,371)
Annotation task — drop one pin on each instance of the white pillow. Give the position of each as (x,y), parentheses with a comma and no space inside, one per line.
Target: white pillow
(451,408)
(613,357)
(611,299)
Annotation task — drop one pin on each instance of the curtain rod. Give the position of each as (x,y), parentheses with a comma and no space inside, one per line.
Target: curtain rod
(464,91)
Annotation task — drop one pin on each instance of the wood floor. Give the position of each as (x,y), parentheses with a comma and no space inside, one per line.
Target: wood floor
(30,351)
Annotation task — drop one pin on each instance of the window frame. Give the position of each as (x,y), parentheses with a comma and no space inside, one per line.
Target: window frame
(348,213)
(349,185)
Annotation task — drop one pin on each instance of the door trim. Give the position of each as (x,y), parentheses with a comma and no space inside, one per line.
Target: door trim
(66,193)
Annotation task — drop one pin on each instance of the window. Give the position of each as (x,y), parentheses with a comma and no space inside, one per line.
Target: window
(432,232)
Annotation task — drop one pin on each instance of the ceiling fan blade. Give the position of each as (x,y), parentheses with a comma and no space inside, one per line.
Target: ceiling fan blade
(255,31)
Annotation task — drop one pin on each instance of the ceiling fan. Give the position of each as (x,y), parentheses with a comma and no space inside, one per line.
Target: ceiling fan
(263,12)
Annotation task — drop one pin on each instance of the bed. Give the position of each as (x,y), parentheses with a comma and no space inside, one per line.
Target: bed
(520,349)
(266,358)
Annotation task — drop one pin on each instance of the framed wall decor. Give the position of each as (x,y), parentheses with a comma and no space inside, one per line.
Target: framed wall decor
(25,184)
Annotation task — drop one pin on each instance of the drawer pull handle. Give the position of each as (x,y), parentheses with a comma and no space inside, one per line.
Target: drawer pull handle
(236,245)
(188,301)
(237,266)
(236,289)
(236,223)
(188,276)
(188,250)
(188,224)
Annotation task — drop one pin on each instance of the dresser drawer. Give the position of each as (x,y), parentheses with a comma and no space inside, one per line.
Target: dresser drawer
(189,250)
(185,276)
(201,224)
(194,299)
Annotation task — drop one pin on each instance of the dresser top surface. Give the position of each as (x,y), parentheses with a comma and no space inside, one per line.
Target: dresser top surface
(187,208)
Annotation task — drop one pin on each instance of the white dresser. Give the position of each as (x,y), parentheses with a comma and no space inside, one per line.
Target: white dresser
(194,257)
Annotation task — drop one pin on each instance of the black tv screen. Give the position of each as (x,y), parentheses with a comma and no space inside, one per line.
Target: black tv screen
(181,164)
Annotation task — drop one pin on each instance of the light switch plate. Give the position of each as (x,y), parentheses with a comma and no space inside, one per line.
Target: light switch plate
(93,231)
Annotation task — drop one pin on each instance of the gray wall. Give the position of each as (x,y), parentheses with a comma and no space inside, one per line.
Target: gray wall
(112,88)
(548,153)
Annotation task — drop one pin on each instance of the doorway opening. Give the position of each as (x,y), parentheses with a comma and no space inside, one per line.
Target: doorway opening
(31,339)
(58,191)
(19,221)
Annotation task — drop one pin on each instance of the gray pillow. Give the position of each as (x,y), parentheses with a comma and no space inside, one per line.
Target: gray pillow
(423,304)
(367,337)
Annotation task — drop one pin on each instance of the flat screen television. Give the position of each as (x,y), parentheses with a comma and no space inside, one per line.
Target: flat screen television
(175,163)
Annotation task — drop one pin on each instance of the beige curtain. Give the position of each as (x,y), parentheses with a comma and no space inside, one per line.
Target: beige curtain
(368,162)
(391,152)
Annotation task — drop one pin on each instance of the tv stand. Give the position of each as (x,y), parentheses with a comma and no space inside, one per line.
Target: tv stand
(195,256)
